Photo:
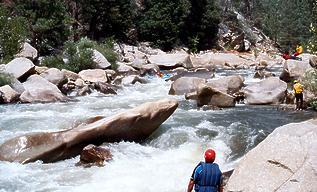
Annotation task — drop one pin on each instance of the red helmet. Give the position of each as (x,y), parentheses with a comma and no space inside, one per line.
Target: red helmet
(210,155)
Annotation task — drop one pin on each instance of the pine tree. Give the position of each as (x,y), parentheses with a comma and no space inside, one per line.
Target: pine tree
(48,22)
(13,32)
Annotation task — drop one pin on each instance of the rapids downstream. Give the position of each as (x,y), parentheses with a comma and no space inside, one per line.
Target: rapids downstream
(162,163)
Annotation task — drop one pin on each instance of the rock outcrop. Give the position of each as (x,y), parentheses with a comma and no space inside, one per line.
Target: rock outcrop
(285,161)
(132,125)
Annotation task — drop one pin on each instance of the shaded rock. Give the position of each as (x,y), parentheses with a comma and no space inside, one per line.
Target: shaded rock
(94,75)
(263,74)
(171,61)
(207,95)
(132,125)
(276,164)
(38,89)
(8,94)
(185,85)
(269,91)
(313,61)
(106,88)
(132,79)
(286,76)
(21,68)
(28,52)
(290,97)
(55,76)
(100,60)
(68,87)
(85,90)
(17,86)
(92,155)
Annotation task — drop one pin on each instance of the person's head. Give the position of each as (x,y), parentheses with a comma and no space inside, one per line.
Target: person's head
(295,81)
(210,156)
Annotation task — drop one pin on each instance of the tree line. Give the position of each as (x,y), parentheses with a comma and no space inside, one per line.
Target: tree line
(48,24)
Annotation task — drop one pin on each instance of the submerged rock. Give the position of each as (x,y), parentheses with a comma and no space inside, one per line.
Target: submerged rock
(94,156)
(132,125)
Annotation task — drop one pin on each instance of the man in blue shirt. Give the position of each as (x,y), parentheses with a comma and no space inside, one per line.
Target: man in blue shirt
(206,176)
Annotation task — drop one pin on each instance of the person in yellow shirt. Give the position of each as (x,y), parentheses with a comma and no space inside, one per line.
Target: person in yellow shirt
(299,50)
(298,90)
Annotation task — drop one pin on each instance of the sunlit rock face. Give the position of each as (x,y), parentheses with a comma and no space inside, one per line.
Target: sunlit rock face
(132,125)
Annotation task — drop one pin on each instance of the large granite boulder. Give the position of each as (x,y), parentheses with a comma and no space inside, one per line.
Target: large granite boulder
(27,51)
(285,161)
(206,95)
(230,84)
(21,68)
(228,59)
(171,61)
(269,91)
(294,69)
(55,76)
(94,75)
(38,89)
(132,125)
(185,85)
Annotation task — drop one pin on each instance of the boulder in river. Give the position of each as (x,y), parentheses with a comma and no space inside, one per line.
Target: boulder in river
(38,89)
(132,125)
(269,91)
(94,155)
(285,161)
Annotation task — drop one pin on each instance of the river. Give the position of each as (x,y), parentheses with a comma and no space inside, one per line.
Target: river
(162,163)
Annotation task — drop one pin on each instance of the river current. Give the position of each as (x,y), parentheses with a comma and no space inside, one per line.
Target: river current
(162,163)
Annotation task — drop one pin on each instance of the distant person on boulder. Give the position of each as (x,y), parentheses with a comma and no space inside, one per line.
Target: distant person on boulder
(298,90)
(298,50)
(287,56)
(206,176)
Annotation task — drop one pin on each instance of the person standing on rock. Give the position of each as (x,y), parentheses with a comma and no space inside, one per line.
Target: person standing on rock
(206,176)
(298,90)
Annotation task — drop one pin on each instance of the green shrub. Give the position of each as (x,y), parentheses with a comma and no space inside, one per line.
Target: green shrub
(5,79)
(12,34)
(79,55)
(106,49)
(54,62)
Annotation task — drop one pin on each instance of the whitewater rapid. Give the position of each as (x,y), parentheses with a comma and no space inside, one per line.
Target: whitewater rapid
(162,163)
